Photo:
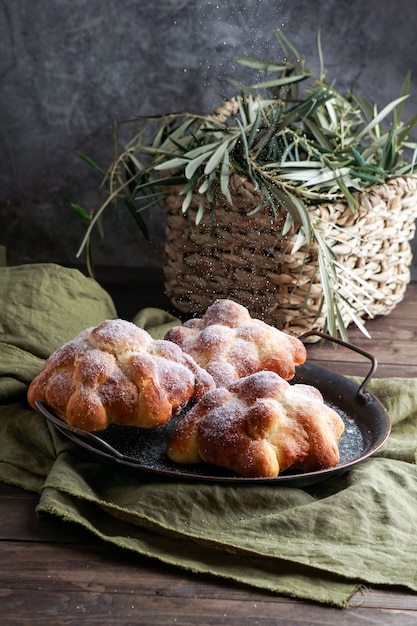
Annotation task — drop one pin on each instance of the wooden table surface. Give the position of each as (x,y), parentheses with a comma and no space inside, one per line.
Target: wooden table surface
(54,573)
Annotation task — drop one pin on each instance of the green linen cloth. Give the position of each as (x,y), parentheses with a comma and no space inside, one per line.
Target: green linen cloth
(321,543)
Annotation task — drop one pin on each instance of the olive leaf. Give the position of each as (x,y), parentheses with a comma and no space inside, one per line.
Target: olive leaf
(81,212)
(90,162)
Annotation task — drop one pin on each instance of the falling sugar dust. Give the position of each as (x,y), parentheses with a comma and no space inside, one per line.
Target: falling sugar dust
(234,30)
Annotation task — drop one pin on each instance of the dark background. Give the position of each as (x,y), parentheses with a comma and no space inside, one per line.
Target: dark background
(70,68)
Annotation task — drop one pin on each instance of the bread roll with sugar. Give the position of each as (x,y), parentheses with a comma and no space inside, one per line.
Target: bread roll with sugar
(116,373)
(230,344)
(258,427)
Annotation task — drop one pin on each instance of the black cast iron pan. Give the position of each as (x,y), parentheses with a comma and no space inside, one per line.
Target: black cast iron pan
(142,452)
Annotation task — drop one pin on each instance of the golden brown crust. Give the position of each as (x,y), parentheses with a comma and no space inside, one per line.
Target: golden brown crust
(116,373)
(258,427)
(230,344)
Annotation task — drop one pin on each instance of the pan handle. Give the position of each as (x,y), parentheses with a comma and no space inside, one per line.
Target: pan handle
(91,441)
(362,393)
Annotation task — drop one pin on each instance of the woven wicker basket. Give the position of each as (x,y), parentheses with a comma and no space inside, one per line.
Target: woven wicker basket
(241,257)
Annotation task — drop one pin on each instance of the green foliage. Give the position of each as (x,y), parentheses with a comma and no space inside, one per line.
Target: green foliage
(299,150)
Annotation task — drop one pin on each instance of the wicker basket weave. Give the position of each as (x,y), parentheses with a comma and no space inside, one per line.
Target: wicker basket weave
(241,257)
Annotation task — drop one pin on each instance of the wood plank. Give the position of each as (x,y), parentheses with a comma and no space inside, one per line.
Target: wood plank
(394,347)
(95,565)
(55,582)
(361,370)
(46,606)
(19,522)
(383,598)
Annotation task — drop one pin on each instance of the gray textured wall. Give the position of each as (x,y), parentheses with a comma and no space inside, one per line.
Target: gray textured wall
(69,68)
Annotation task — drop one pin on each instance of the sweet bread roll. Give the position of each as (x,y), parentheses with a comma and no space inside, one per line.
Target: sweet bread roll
(258,427)
(116,373)
(230,344)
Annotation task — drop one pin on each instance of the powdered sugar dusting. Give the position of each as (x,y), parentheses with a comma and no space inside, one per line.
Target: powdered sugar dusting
(227,334)
(116,372)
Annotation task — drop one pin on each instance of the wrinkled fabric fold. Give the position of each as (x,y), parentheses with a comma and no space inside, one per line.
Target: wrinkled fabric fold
(319,543)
